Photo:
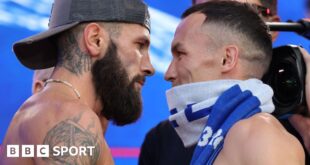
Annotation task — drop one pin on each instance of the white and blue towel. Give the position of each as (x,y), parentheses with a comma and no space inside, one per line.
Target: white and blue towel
(202,113)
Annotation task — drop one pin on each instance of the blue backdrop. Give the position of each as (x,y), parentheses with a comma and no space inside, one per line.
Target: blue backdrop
(21,18)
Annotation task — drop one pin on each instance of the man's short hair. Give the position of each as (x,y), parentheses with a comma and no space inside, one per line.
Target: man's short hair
(232,22)
(271,4)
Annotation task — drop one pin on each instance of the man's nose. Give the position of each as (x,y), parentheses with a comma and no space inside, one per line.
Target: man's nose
(147,67)
(170,74)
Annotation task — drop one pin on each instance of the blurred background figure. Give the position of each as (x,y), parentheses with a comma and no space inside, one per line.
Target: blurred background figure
(39,78)
(308,7)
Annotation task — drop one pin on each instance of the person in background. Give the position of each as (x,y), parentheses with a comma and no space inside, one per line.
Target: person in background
(39,78)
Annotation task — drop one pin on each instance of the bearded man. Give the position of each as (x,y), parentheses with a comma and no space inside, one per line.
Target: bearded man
(100,50)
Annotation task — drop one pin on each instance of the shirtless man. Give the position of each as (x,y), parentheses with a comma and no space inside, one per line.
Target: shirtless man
(165,138)
(226,40)
(100,50)
(219,42)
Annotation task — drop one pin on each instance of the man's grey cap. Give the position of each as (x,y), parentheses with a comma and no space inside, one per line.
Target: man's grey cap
(39,52)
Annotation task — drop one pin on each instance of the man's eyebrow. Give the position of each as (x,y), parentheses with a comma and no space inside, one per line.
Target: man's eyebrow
(145,39)
(175,47)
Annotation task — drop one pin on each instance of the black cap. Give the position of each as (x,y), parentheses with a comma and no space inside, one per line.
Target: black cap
(38,51)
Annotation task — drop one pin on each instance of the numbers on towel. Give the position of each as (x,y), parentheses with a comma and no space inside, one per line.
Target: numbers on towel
(207,134)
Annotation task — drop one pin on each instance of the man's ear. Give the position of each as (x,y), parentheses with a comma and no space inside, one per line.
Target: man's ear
(274,34)
(95,39)
(230,59)
(37,86)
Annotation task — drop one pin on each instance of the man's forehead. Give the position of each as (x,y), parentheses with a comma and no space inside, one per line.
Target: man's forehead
(194,20)
(135,29)
(190,27)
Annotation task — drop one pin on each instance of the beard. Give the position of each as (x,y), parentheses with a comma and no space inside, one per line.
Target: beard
(120,100)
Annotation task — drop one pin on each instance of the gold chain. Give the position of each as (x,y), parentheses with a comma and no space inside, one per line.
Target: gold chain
(63,82)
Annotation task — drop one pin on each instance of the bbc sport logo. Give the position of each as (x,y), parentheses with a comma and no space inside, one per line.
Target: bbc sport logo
(13,151)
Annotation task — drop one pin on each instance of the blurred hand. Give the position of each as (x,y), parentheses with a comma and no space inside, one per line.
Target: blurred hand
(299,122)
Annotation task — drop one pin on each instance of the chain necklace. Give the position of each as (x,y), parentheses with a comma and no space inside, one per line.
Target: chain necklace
(63,82)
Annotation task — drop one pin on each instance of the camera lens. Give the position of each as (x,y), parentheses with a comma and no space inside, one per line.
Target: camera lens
(286,82)
(286,76)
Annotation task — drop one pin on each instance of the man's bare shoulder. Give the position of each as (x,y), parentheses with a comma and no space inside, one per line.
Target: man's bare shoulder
(40,113)
(80,130)
(262,139)
(59,123)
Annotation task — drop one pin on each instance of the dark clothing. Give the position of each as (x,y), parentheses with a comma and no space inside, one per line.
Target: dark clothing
(163,146)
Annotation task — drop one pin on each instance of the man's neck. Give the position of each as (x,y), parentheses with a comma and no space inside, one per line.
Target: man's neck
(84,85)
(81,83)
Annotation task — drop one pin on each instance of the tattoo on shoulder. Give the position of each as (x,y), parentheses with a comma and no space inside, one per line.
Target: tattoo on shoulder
(83,146)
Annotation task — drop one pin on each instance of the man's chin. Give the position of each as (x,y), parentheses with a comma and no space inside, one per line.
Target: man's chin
(137,87)
(123,122)
(129,118)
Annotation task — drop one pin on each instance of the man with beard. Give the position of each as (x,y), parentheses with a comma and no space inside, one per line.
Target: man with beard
(100,50)
(157,144)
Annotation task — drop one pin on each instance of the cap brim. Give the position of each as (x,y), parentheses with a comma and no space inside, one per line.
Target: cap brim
(38,51)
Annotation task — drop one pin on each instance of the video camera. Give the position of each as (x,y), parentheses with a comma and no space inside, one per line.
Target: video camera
(286,74)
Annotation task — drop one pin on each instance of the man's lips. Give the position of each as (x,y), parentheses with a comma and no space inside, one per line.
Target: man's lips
(139,79)
(141,82)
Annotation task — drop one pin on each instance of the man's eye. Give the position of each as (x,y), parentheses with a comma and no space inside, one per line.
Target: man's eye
(141,45)
(179,55)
